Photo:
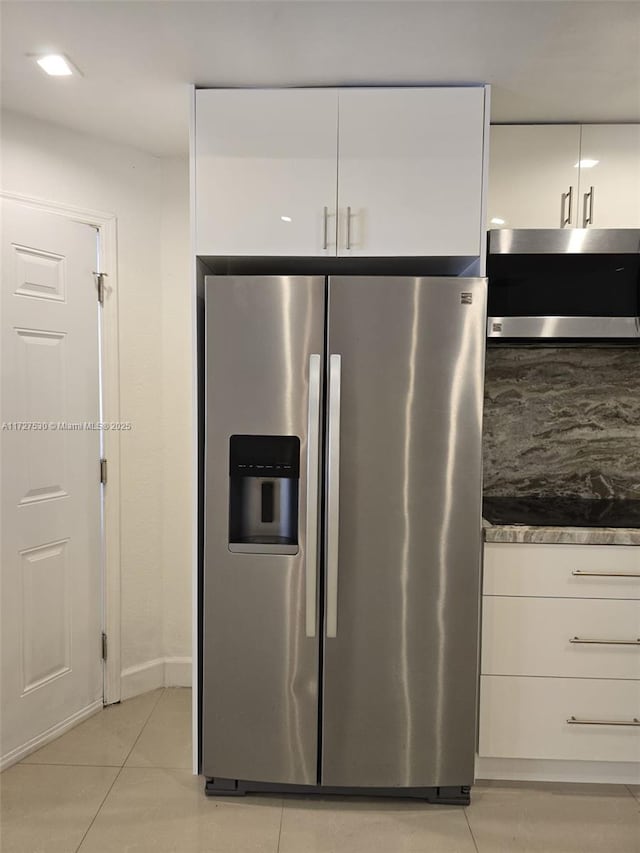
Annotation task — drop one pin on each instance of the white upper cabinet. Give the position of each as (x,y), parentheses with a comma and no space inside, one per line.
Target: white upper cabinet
(265,170)
(564,176)
(610,164)
(400,173)
(410,171)
(533,176)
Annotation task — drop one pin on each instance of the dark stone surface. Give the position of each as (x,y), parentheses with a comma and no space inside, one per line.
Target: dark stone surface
(562,422)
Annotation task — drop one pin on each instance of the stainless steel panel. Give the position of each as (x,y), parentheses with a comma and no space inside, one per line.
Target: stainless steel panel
(549,241)
(400,678)
(260,670)
(563,327)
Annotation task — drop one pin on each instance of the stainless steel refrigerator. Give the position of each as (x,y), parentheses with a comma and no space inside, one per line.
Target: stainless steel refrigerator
(342,528)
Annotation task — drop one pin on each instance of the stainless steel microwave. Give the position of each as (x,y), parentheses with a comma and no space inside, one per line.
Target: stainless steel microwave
(564,284)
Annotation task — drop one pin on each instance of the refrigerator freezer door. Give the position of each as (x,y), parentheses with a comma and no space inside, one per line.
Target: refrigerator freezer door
(400,676)
(260,667)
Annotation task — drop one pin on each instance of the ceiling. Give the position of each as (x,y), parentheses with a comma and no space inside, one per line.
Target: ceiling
(547,61)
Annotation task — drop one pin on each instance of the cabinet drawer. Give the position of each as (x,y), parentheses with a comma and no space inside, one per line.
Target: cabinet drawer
(527,718)
(532,636)
(570,571)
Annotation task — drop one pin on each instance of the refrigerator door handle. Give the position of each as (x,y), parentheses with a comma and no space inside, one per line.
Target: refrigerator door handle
(311,539)
(333,494)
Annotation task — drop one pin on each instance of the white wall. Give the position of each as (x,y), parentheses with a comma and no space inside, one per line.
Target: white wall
(149,196)
(177,419)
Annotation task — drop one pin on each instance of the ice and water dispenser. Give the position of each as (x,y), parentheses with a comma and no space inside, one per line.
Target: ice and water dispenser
(264,474)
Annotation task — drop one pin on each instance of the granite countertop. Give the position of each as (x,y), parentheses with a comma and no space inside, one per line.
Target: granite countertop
(561,535)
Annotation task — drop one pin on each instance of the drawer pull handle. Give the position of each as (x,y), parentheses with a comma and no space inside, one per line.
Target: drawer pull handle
(580,573)
(605,642)
(573,721)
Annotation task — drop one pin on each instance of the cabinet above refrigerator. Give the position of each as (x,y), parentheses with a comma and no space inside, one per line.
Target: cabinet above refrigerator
(377,172)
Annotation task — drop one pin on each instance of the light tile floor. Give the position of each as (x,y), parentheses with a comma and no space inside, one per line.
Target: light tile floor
(121,783)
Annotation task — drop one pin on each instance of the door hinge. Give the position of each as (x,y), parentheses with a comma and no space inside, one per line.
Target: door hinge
(100,277)
(104,646)
(103,471)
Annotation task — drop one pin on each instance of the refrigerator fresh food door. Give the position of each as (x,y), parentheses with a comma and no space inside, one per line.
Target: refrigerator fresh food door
(406,361)
(264,356)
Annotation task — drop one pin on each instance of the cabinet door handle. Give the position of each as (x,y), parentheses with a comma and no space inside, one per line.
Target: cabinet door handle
(566,203)
(581,574)
(605,642)
(574,721)
(587,203)
(325,228)
(348,228)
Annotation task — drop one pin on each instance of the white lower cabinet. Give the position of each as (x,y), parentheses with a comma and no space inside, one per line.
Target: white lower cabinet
(562,571)
(573,638)
(560,672)
(559,718)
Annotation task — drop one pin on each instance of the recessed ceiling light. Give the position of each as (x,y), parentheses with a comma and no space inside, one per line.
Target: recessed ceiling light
(56,65)
(286,218)
(497,221)
(586,164)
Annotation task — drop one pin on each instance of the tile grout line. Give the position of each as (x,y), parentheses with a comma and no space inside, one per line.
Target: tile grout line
(473,838)
(117,776)
(628,787)
(144,726)
(63,764)
(280,827)
(93,819)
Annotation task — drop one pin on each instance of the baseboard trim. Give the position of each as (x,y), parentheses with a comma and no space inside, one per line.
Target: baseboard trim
(177,672)
(141,678)
(160,672)
(54,732)
(549,770)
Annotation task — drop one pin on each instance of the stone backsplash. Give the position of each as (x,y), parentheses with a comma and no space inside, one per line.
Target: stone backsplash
(562,421)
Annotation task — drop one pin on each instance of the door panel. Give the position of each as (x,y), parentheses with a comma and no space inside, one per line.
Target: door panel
(615,176)
(400,675)
(260,712)
(51,619)
(533,176)
(266,171)
(410,171)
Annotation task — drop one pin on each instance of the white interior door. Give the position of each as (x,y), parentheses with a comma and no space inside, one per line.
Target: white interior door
(50,500)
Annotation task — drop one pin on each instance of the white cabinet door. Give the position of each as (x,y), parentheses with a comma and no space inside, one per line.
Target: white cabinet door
(559,718)
(561,571)
(561,637)
(533,176)
(610,158)
(410,171)
(265,170)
